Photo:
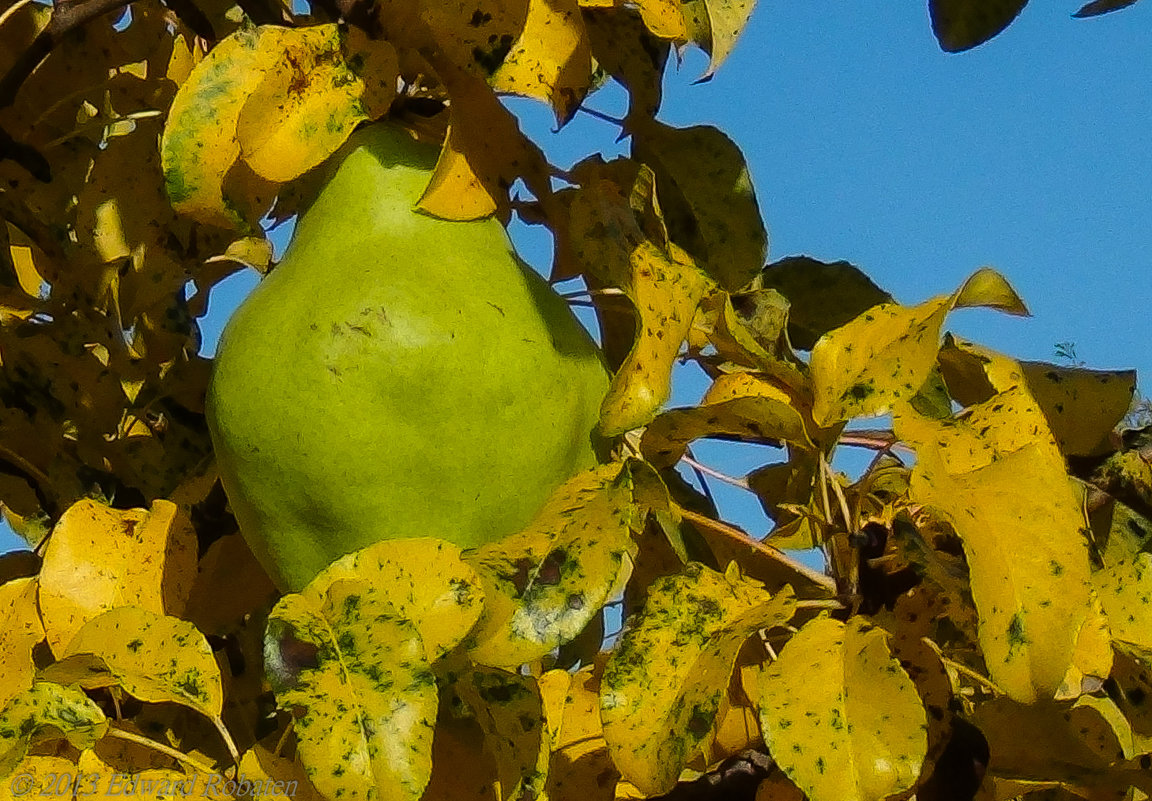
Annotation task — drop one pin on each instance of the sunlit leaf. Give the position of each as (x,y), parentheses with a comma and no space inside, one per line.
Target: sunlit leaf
(544,584)
(153,657)
(1082,406)
(999,478)
(308,102)
(887,353)
(274,772)
(147,560)
(47,711)
(737,405)
(353,672)
(20,631)
(840,716)
(723,22)
(580,766)
(551,60)
(424,579)
(664,682)
(624,48)
(201,141)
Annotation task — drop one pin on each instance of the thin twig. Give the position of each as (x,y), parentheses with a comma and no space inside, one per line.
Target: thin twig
(225,735)
(600,115)
(838,491)
(767,550)
(163,749)
(742,483)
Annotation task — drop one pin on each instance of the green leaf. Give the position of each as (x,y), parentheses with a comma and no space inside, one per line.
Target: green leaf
(47,711)
(999,478)
(544,584)
(664,682)
(840,716)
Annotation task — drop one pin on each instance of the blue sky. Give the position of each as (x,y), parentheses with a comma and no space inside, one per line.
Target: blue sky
(867,143)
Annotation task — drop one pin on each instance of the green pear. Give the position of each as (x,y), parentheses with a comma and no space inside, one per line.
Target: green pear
(396,375)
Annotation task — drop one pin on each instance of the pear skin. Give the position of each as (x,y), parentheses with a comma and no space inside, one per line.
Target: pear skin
(396,375)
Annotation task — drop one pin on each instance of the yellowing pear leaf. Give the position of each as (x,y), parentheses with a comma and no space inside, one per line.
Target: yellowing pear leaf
(1082,406)
(423,579)
(887,353)
(153,657)
(324,83)
(483,155)
(544,584)
(462,768)
(20,631)
(737,405)
(36,776)
(663,18)
(707,198)
(147,559)
(840,716)
(229,585)
(723,22)
(552,59)
(580,766)
(999,478)
(664,682)
(261,765)
(201,142)
(510,711)
(47,711)
(625,49)
(353,672)
(1124,586)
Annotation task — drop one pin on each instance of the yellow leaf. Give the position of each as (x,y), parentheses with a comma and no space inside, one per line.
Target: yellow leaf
(510,711)
(1092,659)
(280,779)
(888,352)
(580,766)
(840,716)
(551,61)
(309,101)
(47,711)
(36,776)
(20,631)
(153,657)
(353,671)
(423,579)
(200,140)
(623,47)
(724,21)
(543,585)
(663,18)
(462,768)
(664,682)
(999,478)
(1082,406)
(30,280)
(483,155)
(737,404)
(145,559)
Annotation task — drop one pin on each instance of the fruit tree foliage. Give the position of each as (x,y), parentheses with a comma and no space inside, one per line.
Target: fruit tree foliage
(983,628)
